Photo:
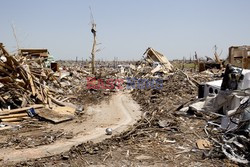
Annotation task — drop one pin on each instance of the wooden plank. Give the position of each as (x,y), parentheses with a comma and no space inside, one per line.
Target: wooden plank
(6,66)
(64,110)
(6,112)
(14,116)
(6,127)
(4,50)
(6,72)
(11,119)
(22,73)
(54,100)
(6,79)
(56,116)
(27,117)
(39,96)
(45,91)
(13,60)
(33,89)
(24,101)
(1,99)
(49,102)
(42,94)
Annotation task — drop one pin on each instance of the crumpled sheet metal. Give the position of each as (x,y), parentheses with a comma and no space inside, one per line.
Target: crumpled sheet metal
(234,125)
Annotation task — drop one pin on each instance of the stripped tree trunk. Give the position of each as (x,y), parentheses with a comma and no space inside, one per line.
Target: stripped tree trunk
(93,30)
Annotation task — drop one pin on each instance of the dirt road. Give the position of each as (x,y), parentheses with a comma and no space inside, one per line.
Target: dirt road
(119,113)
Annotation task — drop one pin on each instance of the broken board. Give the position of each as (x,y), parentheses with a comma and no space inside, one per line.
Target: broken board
(57,115)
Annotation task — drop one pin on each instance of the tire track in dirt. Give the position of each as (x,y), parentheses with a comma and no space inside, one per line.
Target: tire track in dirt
(119,113)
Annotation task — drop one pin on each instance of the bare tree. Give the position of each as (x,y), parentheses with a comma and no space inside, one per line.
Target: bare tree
(217,57)
(93,31)
(14,33)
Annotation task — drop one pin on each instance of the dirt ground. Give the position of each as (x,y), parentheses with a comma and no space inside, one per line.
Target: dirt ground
(118,113)
(33,132)
(163,136)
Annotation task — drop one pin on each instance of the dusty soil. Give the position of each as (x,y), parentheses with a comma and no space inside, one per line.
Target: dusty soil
(119,113)
(40,134)
(34,132)
(163,136)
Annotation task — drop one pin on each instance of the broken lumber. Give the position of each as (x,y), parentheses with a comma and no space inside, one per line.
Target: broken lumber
(6,112)
(13,116)
(54,100)
(26,67)
(11,119)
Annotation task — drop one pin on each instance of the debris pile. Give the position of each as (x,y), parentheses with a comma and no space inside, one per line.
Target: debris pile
(159,131)
(23,82)
(152,56)
(28,89)
(230,133)
(229,128)
(173,116)
(229,112)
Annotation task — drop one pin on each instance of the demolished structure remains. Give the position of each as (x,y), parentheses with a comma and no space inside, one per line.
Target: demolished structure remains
(239,56)
(228,101)
(184,117)
(154,56)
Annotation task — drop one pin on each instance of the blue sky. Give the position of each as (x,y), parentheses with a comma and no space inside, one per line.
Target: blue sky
(126,28)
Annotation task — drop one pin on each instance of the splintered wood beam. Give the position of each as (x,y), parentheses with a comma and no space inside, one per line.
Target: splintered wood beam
(6,66)
(33,89)
(6,72)
(3,49)
(54,100)
(1,99)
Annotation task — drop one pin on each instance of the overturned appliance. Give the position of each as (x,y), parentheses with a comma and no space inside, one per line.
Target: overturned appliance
(234,79)
(229,103)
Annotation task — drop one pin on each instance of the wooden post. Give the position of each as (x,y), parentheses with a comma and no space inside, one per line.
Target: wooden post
(244,59)
(30,79)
